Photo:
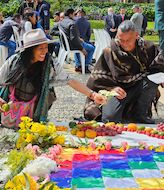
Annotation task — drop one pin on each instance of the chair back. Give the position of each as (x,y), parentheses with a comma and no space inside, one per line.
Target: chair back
(17,37)
(3,54)
(64,40)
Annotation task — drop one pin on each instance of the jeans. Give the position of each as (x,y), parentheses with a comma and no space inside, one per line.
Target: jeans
(142,93)
(11,47)
(88,59)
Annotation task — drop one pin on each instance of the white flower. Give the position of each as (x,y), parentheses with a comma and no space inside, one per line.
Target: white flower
(40,167)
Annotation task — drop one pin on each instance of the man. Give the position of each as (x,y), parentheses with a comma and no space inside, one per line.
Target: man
(62,15)
(26,4)
(137,18)
(55,29)
(123,68)
(6,31)
(122,16)
(44,11)
(83,25)
(159,21)
(144,23)
(111,23)
(76,43)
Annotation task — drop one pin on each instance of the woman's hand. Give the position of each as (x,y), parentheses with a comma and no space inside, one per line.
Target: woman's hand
(98,98)
(121,92)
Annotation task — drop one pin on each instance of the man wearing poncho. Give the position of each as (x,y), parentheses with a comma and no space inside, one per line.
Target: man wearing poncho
(124,68)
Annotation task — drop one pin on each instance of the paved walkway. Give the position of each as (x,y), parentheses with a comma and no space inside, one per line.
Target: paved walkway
(70,103)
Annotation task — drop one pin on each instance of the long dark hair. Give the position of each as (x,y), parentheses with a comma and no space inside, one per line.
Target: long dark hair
(27,18)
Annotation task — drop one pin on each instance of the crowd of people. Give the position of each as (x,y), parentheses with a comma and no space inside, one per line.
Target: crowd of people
(123,67)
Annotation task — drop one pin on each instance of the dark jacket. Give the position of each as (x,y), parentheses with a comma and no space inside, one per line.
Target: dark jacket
(70,29)
(55,30)
(24,5)
(84,28)
(44,11)
(6,30)
(109,24)
(120,19)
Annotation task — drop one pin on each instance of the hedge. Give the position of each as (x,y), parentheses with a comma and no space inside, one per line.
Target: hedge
(95,10)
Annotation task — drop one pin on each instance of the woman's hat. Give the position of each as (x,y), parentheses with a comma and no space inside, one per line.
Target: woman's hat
(33,38)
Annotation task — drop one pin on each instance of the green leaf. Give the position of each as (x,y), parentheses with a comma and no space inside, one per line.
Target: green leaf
(27,181)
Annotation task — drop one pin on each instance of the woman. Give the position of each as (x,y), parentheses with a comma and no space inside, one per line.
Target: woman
(26,77)
(29,21)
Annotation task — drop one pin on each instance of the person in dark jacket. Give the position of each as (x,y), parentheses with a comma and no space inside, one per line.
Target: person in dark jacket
(122,16)
(111,23)
(144,23)
(43,8)
(6,31)
(83,25)
(76,43)
(26,4)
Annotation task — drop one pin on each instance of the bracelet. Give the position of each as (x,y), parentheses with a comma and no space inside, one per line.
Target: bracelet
(91,95)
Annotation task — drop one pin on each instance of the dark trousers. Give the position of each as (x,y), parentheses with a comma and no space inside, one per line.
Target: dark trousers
(141,95)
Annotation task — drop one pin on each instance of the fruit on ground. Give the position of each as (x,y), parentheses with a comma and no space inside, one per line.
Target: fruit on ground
(74,131)
(89,133)
(80,134)
(5,107)
(132,126)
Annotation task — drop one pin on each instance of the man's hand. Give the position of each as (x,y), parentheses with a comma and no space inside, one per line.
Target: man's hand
(84,52)
(121,92)
(98,98)
(162,85)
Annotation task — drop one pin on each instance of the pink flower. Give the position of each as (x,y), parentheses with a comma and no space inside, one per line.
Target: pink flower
(108,145)
(57,150)
(36,178)
(92,144)
(36,149)
(44,155)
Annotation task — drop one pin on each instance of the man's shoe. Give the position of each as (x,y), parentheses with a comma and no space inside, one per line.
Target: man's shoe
(145,120)
(78,69)
(87,70)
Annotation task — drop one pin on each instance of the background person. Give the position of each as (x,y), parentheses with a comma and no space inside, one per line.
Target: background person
(6,31)
(159,22)
(137,19)
(111,23)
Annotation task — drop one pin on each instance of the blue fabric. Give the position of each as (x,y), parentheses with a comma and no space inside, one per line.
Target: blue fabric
(11,47)
(119,164)
(62,182)
(88,59)
(78,172)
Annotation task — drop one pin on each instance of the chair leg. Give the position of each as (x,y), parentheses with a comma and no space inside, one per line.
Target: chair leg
(83,63)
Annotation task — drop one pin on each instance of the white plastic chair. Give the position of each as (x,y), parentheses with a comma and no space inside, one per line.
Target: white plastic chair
(102,40)
(65,50)
(17,37)
(3,54)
